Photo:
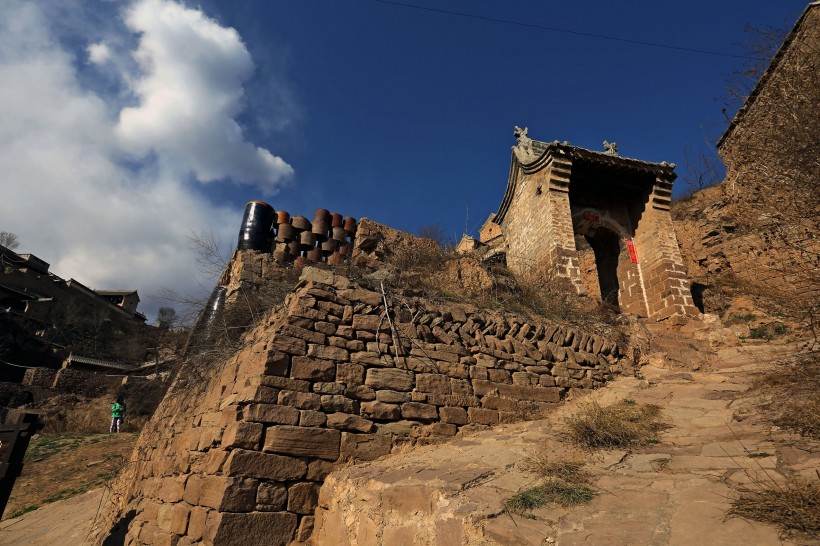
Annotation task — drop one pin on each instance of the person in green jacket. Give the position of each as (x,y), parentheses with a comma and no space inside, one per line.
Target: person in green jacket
(117,415)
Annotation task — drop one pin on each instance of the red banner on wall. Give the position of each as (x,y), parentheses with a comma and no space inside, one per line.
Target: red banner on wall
(633,254)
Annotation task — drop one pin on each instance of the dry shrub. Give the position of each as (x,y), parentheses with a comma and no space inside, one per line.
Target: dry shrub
(624,424)
(563,482)
(792,391)
(793,506)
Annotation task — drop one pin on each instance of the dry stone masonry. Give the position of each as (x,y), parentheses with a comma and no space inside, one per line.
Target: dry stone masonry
(339,372)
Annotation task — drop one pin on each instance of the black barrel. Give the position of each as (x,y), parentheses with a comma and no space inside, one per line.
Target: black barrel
(208,326)
(256,223)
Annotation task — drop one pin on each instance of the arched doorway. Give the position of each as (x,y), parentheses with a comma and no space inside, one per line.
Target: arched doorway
(600,254)
(607,248)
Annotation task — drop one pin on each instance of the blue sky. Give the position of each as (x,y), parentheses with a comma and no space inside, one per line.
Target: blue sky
(130,124)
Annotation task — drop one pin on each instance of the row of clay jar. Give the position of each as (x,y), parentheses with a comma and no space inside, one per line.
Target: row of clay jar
(329,237)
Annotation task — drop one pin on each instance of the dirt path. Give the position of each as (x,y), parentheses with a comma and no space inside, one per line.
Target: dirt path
(673,493)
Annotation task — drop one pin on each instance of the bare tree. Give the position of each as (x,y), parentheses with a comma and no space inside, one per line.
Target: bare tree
(166,318)
(209,257)
(9,240)
(700,173)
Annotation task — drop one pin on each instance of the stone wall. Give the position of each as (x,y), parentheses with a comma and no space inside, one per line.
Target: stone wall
(89,384)
(238,449)
(39,377)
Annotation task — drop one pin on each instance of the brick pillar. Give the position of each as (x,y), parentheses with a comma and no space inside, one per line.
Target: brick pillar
(563,256)
(665,282)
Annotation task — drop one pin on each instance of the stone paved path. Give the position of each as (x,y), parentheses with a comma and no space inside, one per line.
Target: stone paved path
(62,523)
(675,493)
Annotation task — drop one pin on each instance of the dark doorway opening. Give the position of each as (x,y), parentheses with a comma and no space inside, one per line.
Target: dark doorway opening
(697,295)
(607,248)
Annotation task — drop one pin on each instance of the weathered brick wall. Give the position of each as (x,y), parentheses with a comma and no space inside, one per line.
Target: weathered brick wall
(239,458)
(85,383)
(40,377)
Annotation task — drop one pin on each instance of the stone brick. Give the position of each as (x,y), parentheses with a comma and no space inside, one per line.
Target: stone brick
(328,388)
(318,469)
(301,400)
(461,386)
(436,383)
(228,494)
(243,435)
(416,364)
(258,393)
(440,429)
(285,383)
(419,411)
(380,410)
(273,495)
(171,490)
(483,416)
(271,413)
(537,394)
(350,374)
(365,447)
(392,397)
(196,522)
(454,369)
(525,378)
(367,358)
(310,418)
(193,488)
(312,369)
(303,442)
(499,376)
(390,379)
(289,345)
(305,528)
(178,523)
(336,402)
(326,328)
(360,392)
(303,497)
(360,295)
(276,363)
(302,333)
(328,352)
(370,323)
(269,528)
(254,464)
(453,415)
(348,422)
(498,403)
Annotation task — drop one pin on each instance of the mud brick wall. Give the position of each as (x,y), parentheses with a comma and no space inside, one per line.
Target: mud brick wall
(335,375)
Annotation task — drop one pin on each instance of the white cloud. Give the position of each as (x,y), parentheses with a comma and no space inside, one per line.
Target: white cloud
(98,53)
(63,188)
(189,95)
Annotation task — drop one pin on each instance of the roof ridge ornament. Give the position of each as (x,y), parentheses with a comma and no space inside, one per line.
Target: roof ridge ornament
(611,148)
(523,149)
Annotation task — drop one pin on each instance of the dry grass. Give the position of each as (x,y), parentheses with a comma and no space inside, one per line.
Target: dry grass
(620,425)
(794,506)
(792,393)
(76,415)
(563,482)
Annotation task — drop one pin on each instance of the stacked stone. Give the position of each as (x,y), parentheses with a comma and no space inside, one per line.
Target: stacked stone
(337,376)
(328,238)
